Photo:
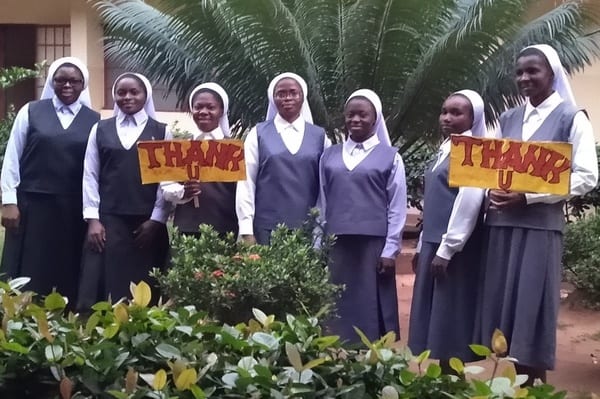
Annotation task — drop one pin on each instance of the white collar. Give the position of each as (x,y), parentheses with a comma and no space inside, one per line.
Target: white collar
(139,117)
(367,144)
(281,124)
(544,108)
(74,107)
(215,134)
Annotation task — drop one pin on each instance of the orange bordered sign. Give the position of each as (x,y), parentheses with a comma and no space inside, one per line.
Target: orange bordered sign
(182,160)
(523,166)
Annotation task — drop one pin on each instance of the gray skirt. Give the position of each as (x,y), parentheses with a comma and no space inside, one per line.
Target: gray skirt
(442,313)
(520,292)
(369,301)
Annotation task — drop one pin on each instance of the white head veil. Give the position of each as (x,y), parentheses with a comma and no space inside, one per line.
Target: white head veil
(148,106)
(48,90)
(561,81)
(272,108)
(224,121)
(380,128)
(478,129)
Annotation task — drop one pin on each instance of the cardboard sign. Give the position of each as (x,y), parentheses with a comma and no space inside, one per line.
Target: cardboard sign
(182,160)
(524,166)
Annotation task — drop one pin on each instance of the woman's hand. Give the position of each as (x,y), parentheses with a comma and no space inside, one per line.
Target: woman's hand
(249,239)
(145,233)
(96,235)
(10,216)
(191,189)
(439,266)
(500,199)
(386,265)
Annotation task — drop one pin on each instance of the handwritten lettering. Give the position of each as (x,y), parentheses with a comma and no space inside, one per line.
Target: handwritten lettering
(520,157)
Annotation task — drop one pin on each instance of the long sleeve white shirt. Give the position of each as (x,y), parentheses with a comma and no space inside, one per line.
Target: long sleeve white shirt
(584,162)
(465,212)
(396,191)
(129,130)
(11,178)
(292,135)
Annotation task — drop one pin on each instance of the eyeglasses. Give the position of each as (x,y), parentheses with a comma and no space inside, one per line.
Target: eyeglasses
(64,81)
(282,95)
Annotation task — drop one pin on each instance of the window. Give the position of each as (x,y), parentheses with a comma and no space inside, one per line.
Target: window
(53,42)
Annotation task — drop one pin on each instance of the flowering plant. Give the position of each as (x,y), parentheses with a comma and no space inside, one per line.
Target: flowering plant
(227,278)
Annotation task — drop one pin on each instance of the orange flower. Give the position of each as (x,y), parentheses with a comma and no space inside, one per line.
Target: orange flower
(198,275)
(254,256)
(218,273)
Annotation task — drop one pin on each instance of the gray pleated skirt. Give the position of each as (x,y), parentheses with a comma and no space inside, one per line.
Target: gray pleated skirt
(369,301)
(520,292)
(442,313)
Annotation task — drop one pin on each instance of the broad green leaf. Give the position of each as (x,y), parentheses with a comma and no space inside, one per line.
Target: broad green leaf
(197,392)
(481,388)
(54,301)
(121,313)
(314,363)
(141,294)
(118,394)
(389,392)
(267,340)
(480,350)
(457,365)
(160,380)
(102,306)
(363,338)
(186,379)
(259,315)
(53,353)
(14,347)
(433,370)
(185,329)
(92,322)
(168,351)
(137,339)
(111,330)
(406,377)
(293,356)
(423,356)
(325,342)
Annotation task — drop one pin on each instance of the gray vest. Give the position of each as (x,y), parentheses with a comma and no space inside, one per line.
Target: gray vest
(357,200)
(52,159)
(556,127)
(438,202)
(287,185)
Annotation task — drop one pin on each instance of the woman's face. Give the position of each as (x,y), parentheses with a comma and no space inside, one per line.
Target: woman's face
(206,111)
(68,83)
(288,97)
(130,95)
(534,78)
(456,116)
(360,118)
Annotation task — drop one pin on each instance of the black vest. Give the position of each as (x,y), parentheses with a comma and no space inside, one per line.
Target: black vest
(216,208)
(52,159)
(121,189)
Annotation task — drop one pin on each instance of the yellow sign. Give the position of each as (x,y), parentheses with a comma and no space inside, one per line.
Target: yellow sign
(182,160)
(523,166)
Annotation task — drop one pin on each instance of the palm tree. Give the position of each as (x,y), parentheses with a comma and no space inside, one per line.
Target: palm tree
(412,52)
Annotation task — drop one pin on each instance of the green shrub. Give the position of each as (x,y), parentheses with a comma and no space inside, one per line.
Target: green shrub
(578,206)
(227,278)
(129,350)
(581,259)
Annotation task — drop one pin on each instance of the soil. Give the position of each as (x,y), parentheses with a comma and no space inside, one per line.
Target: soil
(578,336)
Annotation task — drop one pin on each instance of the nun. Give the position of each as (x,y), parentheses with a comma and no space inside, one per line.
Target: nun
(442,314)
(282,163)
(363,202)
(205,203)
(41,182)
(126,235)
(524,241)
